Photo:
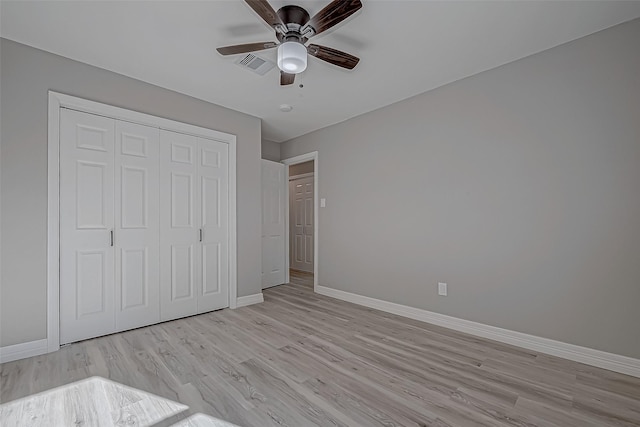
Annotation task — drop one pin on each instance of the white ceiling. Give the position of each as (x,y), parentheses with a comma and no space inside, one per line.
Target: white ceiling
(406,48)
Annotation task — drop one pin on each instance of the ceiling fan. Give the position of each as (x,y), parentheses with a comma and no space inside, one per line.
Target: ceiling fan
(294,28)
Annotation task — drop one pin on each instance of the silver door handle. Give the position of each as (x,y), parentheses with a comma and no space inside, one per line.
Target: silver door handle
(201,233)
(111,236)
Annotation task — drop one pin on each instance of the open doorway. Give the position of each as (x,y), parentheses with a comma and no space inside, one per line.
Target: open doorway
(301,223)
(302,219)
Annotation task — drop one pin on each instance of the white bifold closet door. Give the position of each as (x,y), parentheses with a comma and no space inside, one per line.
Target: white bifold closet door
(194,223)
(144,225)
(109,226)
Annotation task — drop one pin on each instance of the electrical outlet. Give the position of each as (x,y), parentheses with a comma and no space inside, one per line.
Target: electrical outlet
(442,289)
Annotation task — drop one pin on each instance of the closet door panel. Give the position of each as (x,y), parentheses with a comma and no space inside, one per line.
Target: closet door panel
(182,269)
(86,224)
(180,275)
(213,172)
(137,287)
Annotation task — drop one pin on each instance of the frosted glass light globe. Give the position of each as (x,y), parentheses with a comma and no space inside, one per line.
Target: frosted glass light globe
(292,57)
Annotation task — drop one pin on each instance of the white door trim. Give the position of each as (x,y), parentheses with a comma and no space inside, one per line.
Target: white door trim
(294,161)
(59,100)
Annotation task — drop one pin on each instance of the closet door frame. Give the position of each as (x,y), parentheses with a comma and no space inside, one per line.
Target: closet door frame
(56,102)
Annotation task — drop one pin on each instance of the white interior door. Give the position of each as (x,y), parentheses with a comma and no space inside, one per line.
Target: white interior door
(213,188)
(273,224)
(301,223)
(86,226)
(137,288)
(179,225)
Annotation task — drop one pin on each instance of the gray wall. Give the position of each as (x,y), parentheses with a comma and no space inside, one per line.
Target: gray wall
(519,187)
(301,168)
(270,150)
(26,74)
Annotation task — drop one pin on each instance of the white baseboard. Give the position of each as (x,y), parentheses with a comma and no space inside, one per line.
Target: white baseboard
(35,348)
(249,299)
(23,350)
(601,359)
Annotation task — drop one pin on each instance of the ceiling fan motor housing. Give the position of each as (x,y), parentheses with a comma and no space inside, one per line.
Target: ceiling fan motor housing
(294,15)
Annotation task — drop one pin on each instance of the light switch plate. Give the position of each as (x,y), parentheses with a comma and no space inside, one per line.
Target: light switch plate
(323,203)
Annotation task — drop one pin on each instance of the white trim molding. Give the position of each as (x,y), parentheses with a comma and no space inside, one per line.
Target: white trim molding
(601,359)
(249,300)
(316,204)
(233,225)
(53,223)
(26,349)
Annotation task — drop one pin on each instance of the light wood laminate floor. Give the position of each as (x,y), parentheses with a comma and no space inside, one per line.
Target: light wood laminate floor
(303,359)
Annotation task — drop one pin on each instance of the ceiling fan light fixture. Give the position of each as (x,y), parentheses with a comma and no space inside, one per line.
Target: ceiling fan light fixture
(292,57)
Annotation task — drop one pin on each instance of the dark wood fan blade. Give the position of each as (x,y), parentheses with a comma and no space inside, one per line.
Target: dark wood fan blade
(244,48)
(266,12)
(286,78)
(333,56)
(334,13)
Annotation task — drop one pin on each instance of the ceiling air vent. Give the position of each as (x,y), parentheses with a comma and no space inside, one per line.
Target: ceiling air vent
(256,64)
